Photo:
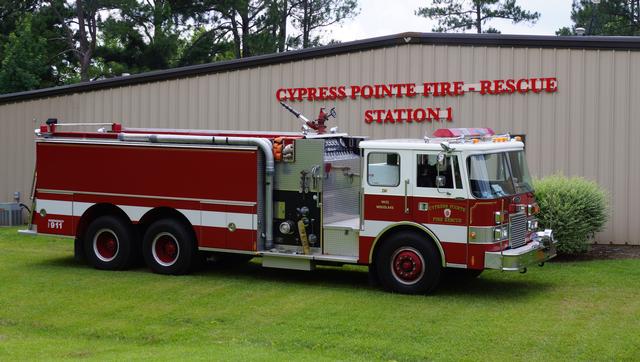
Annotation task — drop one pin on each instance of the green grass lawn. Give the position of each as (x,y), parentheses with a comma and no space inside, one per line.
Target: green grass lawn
(54,308)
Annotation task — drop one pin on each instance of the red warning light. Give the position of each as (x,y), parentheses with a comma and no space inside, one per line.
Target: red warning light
(463,132)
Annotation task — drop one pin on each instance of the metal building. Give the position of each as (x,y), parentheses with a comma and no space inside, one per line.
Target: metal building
(585,126)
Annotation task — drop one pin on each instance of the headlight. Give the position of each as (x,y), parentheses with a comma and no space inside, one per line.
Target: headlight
(500,233)
(532,225)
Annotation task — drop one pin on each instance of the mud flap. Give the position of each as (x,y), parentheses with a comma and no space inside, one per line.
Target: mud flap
(373,276)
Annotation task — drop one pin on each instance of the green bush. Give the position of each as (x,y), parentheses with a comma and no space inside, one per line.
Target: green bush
(574,208)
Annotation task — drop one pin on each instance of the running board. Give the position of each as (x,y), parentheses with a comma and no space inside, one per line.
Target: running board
(287,262)
(337,258)
(301,261)
(27,232)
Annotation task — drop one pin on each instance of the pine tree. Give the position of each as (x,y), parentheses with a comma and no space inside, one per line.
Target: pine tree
(620,17)
(456,15)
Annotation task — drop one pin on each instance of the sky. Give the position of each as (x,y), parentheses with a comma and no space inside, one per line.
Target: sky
(385,17)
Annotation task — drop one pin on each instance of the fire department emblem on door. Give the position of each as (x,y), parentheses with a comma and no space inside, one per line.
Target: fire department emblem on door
(447,213)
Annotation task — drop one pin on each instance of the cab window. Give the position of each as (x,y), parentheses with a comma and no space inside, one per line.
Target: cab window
(383,169)
(428,169)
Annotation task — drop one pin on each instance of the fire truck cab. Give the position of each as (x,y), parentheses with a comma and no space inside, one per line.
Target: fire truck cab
(467,192)
(410,209)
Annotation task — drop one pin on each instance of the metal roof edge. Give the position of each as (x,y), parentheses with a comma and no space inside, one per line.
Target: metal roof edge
(499,40)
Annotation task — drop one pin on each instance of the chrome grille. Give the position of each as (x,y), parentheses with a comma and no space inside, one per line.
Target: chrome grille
(517,230)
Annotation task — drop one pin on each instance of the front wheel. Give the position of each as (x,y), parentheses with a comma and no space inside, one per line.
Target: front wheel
(169,247)
(408,263)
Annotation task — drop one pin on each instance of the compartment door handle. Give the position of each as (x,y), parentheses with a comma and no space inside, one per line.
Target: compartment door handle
(406,196)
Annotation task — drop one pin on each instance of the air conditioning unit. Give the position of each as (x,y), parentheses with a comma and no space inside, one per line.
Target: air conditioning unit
(11,214)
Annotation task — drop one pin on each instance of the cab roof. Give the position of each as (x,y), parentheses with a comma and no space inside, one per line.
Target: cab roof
(434,144)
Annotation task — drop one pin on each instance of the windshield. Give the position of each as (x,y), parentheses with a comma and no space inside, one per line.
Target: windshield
(498,174)
(520,171)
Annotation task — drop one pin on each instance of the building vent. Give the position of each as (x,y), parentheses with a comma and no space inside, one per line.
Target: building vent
(10,214)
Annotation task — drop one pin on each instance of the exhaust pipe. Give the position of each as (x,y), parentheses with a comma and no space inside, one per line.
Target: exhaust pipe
(262,143)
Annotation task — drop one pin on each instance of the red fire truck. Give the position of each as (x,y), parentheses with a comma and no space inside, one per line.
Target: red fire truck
(411,209)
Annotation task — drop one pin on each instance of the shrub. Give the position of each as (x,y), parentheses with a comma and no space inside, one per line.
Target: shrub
(574,208)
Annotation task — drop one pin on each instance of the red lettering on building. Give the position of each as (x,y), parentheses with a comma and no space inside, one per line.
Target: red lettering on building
(411,90)
(409,115)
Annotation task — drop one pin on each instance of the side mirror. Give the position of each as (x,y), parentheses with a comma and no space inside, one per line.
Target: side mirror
(446,147)
(441,181)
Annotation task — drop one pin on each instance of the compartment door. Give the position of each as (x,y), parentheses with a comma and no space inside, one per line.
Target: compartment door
(241,223)
(229,226)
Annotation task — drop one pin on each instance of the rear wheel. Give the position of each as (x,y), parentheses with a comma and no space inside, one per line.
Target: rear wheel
(169,247)
(407,263)
(108,243)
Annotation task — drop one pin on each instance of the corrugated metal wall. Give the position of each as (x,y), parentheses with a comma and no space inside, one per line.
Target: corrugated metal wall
(587,128)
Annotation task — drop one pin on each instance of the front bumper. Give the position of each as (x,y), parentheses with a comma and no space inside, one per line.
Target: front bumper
(539,250)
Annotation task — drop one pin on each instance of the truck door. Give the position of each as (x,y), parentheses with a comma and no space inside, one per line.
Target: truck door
(442,208)
(387,188)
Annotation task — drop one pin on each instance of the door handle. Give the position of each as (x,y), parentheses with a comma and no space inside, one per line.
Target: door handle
(406,196)
(316,178)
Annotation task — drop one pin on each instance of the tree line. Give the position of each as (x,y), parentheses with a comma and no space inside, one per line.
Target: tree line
(57,42)
(594,17)
(606,17)
(48,43)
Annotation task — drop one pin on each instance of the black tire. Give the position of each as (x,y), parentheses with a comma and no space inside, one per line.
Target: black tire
(169,247)
(408,263)
(462,274)
(109,243)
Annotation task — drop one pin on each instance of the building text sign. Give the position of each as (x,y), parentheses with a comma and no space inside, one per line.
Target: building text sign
(413,90)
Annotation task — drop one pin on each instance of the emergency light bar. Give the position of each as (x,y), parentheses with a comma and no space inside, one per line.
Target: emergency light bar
(463,132)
